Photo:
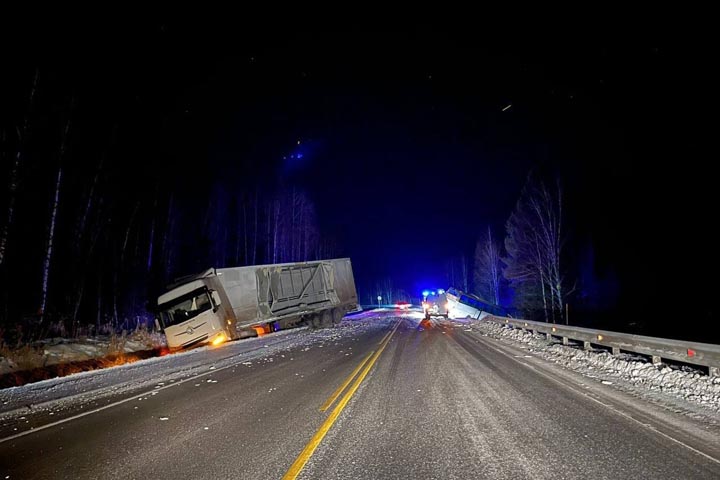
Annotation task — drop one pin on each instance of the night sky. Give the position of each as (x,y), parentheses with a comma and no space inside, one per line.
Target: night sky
(411,144)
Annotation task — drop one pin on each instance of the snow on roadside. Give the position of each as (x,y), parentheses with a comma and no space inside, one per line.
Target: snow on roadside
(54,351)
(62,393)
(681,382)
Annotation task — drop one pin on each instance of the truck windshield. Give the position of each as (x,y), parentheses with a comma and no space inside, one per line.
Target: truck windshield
(184,308)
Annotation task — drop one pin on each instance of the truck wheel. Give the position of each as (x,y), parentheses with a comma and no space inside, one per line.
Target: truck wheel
(327,318)
(337,316)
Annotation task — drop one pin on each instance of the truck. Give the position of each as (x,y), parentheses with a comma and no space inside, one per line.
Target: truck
(435,304)
(467,305)
(222,304)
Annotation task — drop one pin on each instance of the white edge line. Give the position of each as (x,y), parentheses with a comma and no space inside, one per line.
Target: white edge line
(125,400)
(114,404)
(609,407)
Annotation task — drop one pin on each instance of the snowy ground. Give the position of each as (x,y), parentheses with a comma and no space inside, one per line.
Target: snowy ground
(54,351)
(626,371)
(68,351)
(146,377)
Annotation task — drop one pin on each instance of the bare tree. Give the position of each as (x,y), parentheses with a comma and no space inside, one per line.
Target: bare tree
(15,171)
(151,240)
(464,272)
(487,274)
(276,221)
(534,246)
(53,215)
(457,273)
(547,210)
(245,231)
(255,230)
(384,289)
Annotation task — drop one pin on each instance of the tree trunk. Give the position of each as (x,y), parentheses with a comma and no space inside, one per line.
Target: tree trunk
(245,234)
(293,228)
(53,215)
(91,195)
(49,250)
(83,275)
(151,242)
(276,215)
(166,246)
(15,172)
(255,231)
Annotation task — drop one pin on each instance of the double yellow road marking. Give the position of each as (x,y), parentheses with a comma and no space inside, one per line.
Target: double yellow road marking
(344,385)
(367,363)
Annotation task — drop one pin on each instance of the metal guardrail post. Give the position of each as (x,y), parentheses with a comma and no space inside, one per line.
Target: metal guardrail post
(692,353)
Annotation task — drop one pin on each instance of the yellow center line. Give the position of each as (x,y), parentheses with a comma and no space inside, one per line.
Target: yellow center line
(342,387)
(309,449)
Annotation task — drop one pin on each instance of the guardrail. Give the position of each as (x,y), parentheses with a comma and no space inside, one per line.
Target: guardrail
(693,353)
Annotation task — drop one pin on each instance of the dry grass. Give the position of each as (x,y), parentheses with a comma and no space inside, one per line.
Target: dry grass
(25,357)
(148,338)
(30,363)
(21,377)
(116,344)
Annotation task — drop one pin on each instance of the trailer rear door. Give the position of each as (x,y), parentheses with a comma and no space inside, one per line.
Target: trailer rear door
(286,289)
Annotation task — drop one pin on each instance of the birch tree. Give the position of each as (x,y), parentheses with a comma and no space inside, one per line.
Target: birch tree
(487,270)
(534,248)
(53,215)
(15,171)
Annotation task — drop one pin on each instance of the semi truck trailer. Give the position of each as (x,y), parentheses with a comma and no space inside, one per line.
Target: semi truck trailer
(222,304)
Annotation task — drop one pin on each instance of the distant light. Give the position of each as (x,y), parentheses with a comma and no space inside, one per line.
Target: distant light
(299,155)
(426,293)
(441,291)
(433,292)
(507,107)
(298,142)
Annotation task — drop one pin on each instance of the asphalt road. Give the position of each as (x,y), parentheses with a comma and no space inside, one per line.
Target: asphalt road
(437,402)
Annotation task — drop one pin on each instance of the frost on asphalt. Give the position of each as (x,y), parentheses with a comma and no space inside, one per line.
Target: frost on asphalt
(634,371)
(92,388)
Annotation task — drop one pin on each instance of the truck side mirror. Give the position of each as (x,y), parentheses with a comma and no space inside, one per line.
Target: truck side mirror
(216,299)
(157,325)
